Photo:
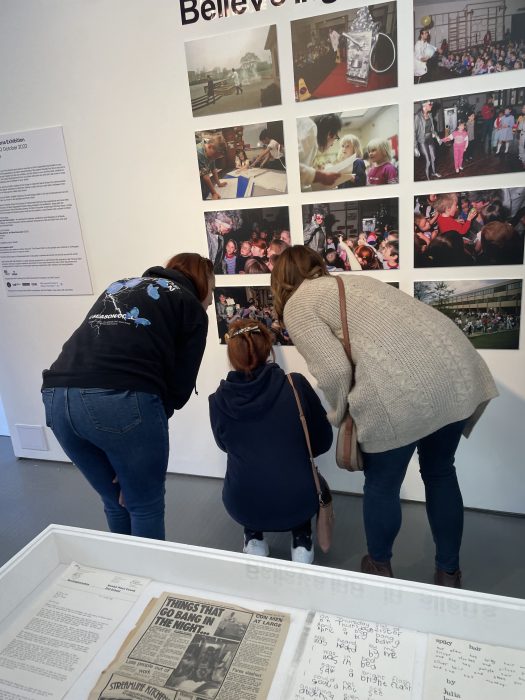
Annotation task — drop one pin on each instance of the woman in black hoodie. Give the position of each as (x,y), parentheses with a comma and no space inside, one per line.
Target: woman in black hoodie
(131,363)
(269,484)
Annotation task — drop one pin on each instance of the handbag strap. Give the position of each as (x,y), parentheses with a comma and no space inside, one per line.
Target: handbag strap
(307,436)
(344,325)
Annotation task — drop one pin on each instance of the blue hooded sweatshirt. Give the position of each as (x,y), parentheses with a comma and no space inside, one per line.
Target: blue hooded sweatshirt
(269,484)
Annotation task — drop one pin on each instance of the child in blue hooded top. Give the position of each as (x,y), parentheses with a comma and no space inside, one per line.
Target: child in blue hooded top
(269,484)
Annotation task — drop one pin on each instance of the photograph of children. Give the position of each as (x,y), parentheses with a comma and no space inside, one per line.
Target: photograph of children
(353,236)
(478,134)
(487,311)
(246,241)
(459,39)
(242,161)
(349,149)
(255,303)
(345,52)
(234,71)
(204,666)
(460,229)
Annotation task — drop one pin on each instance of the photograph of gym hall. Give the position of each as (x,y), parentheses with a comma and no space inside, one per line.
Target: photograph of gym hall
(465,135)
(229,72)
(345,52)
(354,236)
(343,150)
(466,228)
(487,311)
(459,39)
(253,303)
(242,161)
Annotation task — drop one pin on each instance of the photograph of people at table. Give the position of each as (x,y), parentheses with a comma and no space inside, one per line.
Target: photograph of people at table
(460,39)
(242,161)
(344,150)
(248,304)
(346,52)
(234,71)
(487,311)
(466,135)
(246,241)
(469,227)
(354,236)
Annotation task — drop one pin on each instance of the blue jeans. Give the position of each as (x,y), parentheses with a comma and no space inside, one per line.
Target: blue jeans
(111,434)
(384,474)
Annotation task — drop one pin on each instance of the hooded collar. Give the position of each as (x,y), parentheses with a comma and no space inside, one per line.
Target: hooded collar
(173,275)
(246,396)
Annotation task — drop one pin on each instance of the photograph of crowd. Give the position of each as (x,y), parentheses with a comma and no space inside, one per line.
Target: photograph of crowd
(353,236)
(246,241)
(349,149)
(234,71)
(487,311)
(459,229)
(459,39)
(242,161)
(254,303)
(345,52)
(203,667)
(478,134)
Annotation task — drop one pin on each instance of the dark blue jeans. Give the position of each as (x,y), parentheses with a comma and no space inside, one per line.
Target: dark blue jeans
(384,474)
(112,435)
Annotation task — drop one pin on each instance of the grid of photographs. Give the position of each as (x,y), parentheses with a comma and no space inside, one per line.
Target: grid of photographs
(461,39)
(487,311)
(350,52)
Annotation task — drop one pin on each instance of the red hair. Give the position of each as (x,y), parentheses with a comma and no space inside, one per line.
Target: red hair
(249,349)
(195,268)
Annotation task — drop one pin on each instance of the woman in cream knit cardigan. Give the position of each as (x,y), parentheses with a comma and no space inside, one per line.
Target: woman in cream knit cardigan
(419,384)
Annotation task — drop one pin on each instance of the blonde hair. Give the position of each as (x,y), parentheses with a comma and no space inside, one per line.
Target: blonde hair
(445,201)
(294,265)
(356,145)
(380,145)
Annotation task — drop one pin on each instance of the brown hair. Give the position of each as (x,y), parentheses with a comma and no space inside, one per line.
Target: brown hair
(248,349)
(255,266)
(291,268)
(196,268)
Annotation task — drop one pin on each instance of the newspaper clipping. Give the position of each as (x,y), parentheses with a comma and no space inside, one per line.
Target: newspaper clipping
(188,648)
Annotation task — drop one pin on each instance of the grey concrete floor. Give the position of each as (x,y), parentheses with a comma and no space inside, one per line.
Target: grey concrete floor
(34,494)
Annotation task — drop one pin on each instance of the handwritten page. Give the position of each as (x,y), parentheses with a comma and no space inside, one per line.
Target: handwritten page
(460,670)
(354,660)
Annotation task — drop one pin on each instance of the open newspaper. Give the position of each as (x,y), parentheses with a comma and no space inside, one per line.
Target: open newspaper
(186,648)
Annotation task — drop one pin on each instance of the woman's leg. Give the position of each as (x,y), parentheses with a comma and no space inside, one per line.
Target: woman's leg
(426,154)
(443,496)
(90,460)
(384,474)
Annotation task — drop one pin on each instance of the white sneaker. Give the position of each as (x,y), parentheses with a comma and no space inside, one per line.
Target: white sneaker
(303,555)
(258,548)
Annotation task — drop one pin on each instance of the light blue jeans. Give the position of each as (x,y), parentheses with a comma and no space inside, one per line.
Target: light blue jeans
(115,435)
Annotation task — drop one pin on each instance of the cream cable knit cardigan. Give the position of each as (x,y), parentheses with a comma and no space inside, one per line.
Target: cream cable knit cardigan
(415,371)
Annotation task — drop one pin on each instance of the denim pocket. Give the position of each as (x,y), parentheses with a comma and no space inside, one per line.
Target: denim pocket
(111,410)
(47,398)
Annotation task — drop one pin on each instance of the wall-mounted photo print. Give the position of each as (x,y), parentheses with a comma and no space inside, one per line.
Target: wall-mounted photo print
(353,236)
(466,228)
(487,311)
(345,52)
(234,71)
(459,39)
(478,134)
(242,161)
(253,303)
(246,241)
(343,150)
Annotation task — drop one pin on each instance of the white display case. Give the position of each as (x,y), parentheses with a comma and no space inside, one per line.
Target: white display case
(252,582)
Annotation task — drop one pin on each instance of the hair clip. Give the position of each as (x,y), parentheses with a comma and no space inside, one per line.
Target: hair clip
(246,329)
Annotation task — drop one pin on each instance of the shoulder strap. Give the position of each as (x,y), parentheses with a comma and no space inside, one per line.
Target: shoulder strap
(307,436)
(344,324)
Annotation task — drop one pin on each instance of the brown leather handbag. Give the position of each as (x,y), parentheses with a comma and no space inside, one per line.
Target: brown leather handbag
(348,454)
(325,514)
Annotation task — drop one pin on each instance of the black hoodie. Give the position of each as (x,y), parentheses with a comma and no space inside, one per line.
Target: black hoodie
(144,334)
(269,483)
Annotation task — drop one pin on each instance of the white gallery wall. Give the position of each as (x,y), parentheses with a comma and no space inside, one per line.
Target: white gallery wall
(112,73)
